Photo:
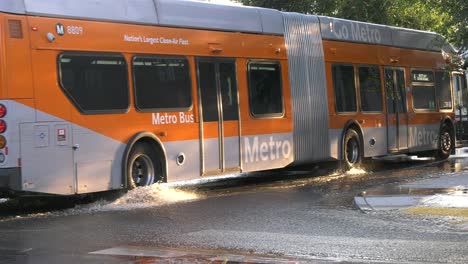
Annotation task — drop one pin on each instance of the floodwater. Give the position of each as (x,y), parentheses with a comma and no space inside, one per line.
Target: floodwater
(293,214)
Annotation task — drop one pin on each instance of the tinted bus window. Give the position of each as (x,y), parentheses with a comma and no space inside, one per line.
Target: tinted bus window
(228,82)
(424,96)
(96,83)
(370,89)
(460,90)
(265,96)
(443,90)
(344,86)
(162,83)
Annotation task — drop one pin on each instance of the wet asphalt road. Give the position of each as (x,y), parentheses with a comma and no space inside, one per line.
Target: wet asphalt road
(303,215)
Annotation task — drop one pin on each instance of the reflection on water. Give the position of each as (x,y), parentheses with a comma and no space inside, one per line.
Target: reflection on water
(455,165)
(456,199)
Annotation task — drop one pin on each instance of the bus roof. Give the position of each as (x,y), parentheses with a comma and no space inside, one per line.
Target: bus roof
(202,15)
(191,14)
(348,30)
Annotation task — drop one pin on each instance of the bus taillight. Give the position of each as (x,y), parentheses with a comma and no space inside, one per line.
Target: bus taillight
(2,142)
(3,111)
(3,126)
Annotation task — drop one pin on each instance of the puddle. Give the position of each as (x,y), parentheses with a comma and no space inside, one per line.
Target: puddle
(167,255)
(457,199)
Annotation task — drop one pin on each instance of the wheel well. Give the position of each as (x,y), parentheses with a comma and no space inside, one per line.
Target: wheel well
(448,123)
(352,125)
(155,143)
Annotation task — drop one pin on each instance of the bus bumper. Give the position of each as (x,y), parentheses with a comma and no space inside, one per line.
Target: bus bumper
(10,179)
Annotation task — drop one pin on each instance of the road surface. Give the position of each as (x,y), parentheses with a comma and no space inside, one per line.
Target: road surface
(301,215)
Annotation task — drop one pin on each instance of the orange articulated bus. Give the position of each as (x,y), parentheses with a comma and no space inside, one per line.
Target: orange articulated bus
(99,95)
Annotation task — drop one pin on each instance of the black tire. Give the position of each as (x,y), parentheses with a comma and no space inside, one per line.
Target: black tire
(352,150)
(446,143)
(143,166)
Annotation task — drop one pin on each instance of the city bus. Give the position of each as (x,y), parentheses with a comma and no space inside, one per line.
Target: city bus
(99,95)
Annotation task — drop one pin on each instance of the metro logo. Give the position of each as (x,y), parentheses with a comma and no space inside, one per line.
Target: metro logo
(362,33)
(266,150)
(421,137)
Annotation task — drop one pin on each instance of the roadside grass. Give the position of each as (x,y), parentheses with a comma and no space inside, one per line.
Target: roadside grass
(439,211)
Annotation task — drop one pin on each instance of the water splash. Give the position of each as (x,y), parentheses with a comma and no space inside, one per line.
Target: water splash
(144,197)
(355,171)
(3,200)
(155,195)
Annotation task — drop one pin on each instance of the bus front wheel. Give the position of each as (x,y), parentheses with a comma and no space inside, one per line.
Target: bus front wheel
(352,150)
(143,167)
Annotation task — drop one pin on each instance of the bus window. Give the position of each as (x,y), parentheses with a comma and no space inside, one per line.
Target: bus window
(344,86)
(443,90)
(265,96)
(370,89)
(161,83)
(423,90)
(95,83)
(460,90)
(228,82)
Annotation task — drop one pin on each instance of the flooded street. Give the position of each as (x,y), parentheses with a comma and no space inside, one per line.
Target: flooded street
(296,215)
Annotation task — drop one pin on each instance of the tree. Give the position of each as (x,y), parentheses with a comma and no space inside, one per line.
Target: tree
(457,27)
(300,6)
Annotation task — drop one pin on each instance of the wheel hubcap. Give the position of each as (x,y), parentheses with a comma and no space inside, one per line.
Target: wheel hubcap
(352,151)
(446,142)
(142,171)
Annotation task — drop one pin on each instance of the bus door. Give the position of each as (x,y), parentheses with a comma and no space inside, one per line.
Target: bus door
(460,91)
(397,112)
(219,116)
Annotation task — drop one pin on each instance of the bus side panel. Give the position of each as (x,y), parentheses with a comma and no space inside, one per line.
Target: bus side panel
(190,169)
(424,134)
(269,151)
(17,63)
(308,87)
(378,136)
(98,161)
(47,160)
(369,134)
(265,142)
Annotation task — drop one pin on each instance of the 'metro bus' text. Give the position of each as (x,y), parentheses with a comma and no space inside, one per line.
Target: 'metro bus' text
(167,119)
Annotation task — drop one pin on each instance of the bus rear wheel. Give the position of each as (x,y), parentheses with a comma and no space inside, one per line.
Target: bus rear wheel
(445,143)
(352,150)
(143,167)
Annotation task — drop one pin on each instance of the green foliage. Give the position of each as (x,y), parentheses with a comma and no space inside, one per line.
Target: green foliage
(447,17)
(300,6)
